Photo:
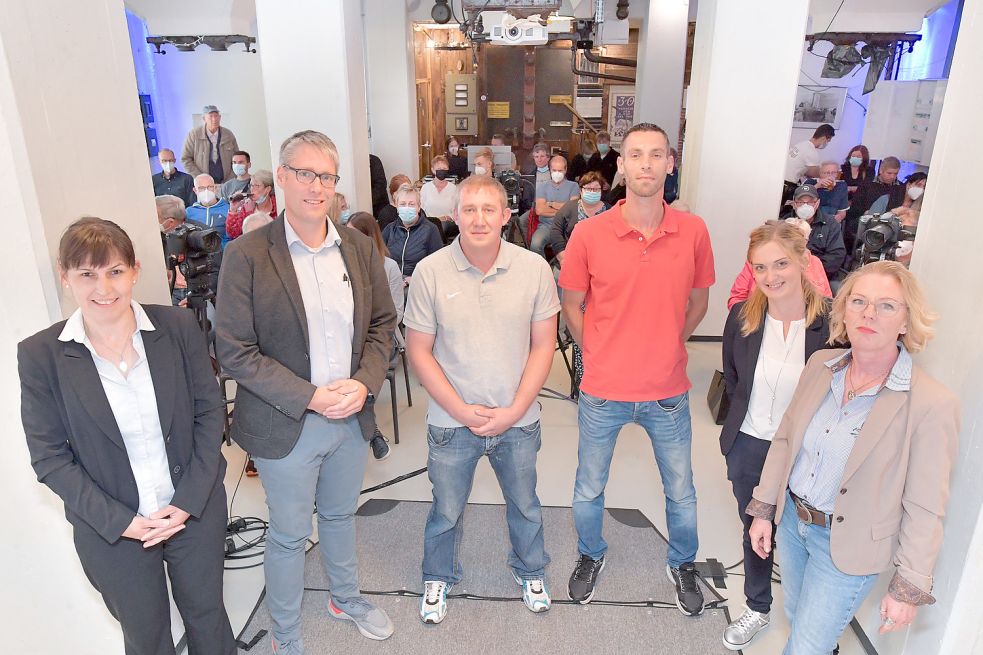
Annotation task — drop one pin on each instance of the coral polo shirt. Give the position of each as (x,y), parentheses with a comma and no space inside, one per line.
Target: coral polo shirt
(637,292)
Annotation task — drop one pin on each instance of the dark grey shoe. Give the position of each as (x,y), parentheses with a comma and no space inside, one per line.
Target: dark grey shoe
(380,446)
(689,596)
(583,579)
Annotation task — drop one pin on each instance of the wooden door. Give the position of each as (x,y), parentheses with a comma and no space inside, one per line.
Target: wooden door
(427,148)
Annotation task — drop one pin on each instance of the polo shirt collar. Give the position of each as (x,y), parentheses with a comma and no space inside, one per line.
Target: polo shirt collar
(502,261)
(332,238)
(670,220)
(74,329)
(899,379)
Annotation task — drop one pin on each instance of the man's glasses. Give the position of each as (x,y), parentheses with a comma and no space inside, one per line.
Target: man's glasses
(307,177)
(857,304)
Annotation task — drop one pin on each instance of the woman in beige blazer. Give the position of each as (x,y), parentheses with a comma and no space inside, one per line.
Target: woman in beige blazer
(857,476)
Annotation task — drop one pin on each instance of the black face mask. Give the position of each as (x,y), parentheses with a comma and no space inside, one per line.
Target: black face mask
(441,174)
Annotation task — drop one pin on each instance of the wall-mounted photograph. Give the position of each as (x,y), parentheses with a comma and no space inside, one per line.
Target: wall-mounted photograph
(815,105)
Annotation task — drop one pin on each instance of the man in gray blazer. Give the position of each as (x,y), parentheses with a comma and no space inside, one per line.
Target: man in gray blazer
(304,324)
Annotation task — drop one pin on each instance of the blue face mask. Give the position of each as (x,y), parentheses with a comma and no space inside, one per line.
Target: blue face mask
(542,169)
(602,148)
(345,216)
(856,161)
(407,214)
(591,197)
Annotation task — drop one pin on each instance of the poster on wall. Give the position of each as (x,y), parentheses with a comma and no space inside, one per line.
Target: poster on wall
(621,112)
(815,105)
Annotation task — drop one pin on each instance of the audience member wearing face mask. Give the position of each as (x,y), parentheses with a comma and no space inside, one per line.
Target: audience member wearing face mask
(856,168)
(803,160)
(259,199)
(826,235)
(550,198)
(238,185)
(209,209)
(413,236)
(605,160)
(172,182)
(388,214)
(438,198)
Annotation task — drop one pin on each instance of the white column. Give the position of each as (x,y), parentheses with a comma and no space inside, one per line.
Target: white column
(71,144)
(739,116)
(661,65)
(391,80)
(946,262)
(313,73)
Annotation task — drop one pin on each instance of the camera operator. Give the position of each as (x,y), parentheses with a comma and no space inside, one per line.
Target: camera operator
(171,214)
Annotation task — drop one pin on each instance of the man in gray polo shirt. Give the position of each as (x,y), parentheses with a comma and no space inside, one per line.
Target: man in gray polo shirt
(481,322)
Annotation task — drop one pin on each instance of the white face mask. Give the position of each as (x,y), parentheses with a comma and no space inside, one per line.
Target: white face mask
(206,196)
(480,170)
(558,176)
(239,169)
(167,166)
(805,212)
(261,199)
(915,192)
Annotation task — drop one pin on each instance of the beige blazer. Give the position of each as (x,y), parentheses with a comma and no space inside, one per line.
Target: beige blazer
(896,482)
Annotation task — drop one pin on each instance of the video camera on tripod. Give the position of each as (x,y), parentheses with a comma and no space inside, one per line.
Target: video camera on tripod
(512,182)
(878,236)
(197,253)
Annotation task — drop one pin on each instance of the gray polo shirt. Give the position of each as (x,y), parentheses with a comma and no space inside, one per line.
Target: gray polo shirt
(482,322)
(561,192)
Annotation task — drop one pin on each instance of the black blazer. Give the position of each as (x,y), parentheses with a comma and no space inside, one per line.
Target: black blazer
(740,355)
(75,445)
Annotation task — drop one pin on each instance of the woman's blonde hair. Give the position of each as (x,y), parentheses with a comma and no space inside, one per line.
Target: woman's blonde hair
(920,317)
(334,209)
(792,241)
(406,190)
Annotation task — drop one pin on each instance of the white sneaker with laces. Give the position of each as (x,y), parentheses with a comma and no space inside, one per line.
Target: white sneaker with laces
(741,632)
(433,608)
(534,593)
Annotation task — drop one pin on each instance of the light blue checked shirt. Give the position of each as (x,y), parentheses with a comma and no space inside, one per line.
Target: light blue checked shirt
(829,439)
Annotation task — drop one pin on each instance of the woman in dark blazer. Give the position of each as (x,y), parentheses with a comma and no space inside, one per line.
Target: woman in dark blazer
(124,419)
(767,341)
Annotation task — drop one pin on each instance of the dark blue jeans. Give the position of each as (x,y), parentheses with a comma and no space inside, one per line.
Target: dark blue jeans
(454,454)
(668,425)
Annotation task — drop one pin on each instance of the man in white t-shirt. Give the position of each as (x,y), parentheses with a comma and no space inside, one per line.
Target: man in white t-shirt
(804,160)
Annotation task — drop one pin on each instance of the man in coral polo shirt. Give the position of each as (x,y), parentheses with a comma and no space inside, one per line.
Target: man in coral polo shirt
(644,271)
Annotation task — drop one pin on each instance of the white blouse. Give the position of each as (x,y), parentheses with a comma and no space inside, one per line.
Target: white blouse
(776,373)
(134,404)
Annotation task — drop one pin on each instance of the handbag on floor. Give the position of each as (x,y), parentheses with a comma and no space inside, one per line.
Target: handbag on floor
(717,398)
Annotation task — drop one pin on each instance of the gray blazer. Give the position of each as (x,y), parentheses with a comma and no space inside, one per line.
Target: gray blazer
(263,344)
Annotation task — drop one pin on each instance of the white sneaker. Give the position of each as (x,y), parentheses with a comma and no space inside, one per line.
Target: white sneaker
(741,632)
(433,609)
(534,593)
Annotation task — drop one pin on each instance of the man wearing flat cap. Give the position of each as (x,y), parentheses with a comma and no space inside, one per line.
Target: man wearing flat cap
(209,147)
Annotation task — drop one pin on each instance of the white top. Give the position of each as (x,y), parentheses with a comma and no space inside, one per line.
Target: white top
(780,363)
(328,303)
(438,203)
(134,404)
(801,156)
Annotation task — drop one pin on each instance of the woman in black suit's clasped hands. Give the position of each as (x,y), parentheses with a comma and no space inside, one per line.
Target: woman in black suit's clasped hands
(124,419)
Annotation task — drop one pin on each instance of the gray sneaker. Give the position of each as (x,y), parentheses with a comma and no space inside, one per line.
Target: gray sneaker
(371,621)
(741,632)
(295,647)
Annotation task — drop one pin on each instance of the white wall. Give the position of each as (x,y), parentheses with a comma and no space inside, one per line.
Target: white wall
(662,64)
(71,143)
(390,78)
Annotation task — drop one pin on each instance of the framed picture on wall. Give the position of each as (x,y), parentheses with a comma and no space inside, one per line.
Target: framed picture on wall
(621,112)
(815,105)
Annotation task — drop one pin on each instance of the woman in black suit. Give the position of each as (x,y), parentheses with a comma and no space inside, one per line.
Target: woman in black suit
(767,340)
(123,419)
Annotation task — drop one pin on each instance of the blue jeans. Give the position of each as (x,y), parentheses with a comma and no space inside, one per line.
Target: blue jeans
(454,454)
(323,471)
(815,590)
(539,239)
(667,423)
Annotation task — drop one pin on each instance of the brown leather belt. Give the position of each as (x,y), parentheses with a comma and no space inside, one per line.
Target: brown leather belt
(808,513)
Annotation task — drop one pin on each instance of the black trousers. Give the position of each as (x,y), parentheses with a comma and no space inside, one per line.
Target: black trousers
(131,581)
(744,463)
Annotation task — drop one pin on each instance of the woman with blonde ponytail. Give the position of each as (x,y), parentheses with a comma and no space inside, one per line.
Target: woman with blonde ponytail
(767,340)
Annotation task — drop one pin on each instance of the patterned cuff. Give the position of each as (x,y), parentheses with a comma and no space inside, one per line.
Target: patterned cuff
(761,510)
(905,592)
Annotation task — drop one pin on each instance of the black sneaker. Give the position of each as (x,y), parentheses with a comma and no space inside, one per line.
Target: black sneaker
(583,579)
(380,446)
(689,596)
